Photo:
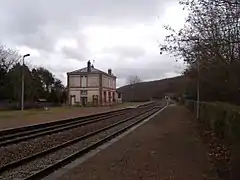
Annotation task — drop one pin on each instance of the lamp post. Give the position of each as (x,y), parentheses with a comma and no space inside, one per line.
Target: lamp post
(22,93)
(198,88)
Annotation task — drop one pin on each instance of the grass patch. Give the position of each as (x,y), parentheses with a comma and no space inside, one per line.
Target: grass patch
(54,110)
(29,112)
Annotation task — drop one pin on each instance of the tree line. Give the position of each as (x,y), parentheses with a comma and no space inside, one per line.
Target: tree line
(40,83)
(209,43)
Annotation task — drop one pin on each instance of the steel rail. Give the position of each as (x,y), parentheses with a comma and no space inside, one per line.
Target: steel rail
(11,131)
(4,141)
(50,169)
(65,144)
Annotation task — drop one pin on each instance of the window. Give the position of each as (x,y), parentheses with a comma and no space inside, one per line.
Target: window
(83,92)
(105,96)
(84,81)
(113,83)
(110,83)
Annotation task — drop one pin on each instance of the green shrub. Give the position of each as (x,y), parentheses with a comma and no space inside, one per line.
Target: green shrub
(204,115)
(218,120)
(224,120)
(234,125)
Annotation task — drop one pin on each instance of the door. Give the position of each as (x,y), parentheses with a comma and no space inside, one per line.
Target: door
(84,101)
(95,100)
(109,98)
(72,100)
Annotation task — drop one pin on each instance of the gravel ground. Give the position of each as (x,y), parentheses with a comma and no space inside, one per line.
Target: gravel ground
(26,148)
(41,163)
(165,148)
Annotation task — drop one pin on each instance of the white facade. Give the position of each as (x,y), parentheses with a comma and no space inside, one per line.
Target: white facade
(74,81)
(93,80)
(109,82)
(91,86)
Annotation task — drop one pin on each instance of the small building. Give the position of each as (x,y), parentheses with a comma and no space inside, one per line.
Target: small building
(119,97)
(91,86)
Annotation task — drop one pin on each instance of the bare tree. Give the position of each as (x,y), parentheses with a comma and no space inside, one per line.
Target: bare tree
(210,38)
(8,58)
(133,79)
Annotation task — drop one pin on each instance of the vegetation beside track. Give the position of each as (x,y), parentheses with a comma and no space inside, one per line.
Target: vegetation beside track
(10,119)
(220,127)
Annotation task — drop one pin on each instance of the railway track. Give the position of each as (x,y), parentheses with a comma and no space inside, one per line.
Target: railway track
(15,135)
(13,152)
(39,164)
(22,135)
(11,132)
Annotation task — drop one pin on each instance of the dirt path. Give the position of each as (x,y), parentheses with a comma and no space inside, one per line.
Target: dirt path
(165,148)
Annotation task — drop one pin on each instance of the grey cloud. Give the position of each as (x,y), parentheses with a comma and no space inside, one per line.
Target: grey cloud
(56,64)
(40,24)
(28,20)
(121,82)
(146,66)
(73,53)
(39,40)
(32,23)
(20,18)
(157,68)
(127,51)
(80,52)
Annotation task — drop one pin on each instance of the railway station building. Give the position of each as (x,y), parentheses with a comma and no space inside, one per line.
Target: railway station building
(91,86)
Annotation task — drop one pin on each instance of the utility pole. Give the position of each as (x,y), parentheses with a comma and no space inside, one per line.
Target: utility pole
(22,92)
(198,88)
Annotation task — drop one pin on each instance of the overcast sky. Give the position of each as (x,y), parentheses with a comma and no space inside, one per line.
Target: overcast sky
(62,35)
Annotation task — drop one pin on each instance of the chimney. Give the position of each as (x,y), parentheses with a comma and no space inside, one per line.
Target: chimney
(110,71)
(89,66)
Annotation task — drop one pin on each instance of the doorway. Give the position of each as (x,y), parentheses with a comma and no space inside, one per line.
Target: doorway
(84,101)
(72,100)
(95,100)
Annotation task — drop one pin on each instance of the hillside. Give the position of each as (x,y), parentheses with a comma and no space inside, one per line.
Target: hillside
(153,89)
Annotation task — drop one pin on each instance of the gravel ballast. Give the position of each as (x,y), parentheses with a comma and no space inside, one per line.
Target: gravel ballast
(16,118)
(166,147)
(41,163)
(26,148)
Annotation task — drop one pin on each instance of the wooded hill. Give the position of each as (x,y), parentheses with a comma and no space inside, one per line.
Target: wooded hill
(145,91)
